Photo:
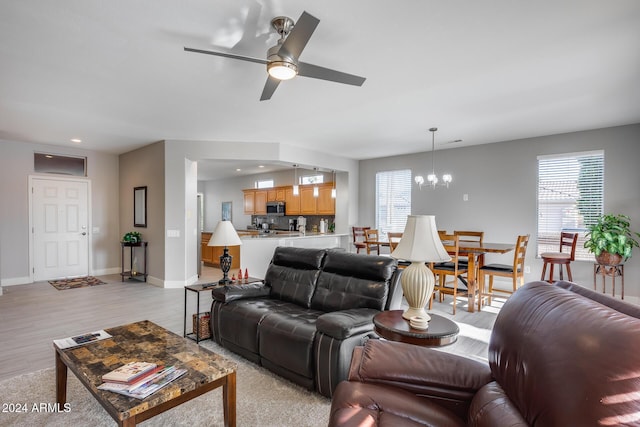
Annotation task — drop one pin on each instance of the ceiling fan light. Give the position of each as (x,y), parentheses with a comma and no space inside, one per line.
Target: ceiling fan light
(282,70)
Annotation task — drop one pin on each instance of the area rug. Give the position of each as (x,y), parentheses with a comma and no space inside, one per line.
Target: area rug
(78,282)
(263,400)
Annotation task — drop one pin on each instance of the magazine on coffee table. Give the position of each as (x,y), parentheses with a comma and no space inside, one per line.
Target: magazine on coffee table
(81,339)
(147,386)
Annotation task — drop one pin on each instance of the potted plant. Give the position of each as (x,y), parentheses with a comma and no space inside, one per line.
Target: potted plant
(132,237)
(610,239)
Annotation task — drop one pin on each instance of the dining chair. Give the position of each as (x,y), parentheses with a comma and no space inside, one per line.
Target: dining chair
(514,271)
(394,239)
(452,268)
(470,236)
(563,257)
(359,238)
(372,240)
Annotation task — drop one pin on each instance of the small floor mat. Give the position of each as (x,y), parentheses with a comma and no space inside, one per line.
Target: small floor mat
(78,282)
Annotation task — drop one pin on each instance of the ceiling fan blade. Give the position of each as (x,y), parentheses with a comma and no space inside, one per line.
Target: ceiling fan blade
(227,55)
(269,87)
(317,72)
(300,35)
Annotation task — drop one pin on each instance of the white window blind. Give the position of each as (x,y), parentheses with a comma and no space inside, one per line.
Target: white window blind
(570,198)
(393,200)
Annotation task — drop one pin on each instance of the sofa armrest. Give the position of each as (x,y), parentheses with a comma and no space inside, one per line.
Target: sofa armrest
(421,370)
(228,293)
(345,323)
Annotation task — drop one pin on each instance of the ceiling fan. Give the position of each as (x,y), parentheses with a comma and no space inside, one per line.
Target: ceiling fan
(282,59)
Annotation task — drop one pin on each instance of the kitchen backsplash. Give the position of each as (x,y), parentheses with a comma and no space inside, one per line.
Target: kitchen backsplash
(282,222)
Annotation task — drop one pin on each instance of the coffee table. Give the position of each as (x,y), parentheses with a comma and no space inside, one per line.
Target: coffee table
(392,326)
(145,341)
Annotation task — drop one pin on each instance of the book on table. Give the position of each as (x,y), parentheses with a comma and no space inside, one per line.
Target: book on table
(146,386)
(130,372)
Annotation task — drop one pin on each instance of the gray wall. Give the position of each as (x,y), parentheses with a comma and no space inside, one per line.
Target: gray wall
(145,167)
(501,182)
(16,164)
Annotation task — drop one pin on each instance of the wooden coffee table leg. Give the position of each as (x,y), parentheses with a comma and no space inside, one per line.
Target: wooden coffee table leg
(229,400)
(61,380)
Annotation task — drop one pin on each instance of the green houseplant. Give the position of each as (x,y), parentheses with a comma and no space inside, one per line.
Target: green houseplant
(610,239)
(132,237)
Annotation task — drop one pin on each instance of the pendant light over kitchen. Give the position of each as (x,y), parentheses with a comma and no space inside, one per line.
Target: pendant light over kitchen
(296,188)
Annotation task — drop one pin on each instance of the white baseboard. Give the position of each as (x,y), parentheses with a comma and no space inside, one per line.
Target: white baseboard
(15,281)
(106,271)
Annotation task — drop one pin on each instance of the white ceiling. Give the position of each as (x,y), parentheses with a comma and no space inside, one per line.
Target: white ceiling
(114,73)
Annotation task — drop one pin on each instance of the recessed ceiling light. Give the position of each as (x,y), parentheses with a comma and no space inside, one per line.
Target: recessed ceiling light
(260,166)
(48,156)
(238,170)
(76,140)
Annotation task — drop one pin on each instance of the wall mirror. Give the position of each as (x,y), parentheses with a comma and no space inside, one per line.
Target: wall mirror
(140,206)
(226,211)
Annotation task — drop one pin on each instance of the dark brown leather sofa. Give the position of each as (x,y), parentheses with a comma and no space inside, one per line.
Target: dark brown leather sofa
(315,306)
(559,355)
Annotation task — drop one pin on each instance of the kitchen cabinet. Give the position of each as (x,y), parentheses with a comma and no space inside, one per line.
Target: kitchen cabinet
(292,202)
(307,201)
(276,195)
(255,202)
(260,202)
(249,201)
(325,204)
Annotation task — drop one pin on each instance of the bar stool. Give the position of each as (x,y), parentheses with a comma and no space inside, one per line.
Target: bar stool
(561,258)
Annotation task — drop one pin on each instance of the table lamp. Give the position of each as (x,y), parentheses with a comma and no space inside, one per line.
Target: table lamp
(420,243)
(225,235)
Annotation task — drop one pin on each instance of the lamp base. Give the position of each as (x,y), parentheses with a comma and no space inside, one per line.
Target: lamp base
(417,285)
(224,281)
(413,312)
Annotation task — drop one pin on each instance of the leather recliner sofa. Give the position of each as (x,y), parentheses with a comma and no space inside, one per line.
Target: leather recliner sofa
(314,308)
(559,355)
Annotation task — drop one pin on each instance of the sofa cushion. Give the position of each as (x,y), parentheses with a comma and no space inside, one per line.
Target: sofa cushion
(563,359)
(350,280)
(293,273)
(491,407)
(286,337)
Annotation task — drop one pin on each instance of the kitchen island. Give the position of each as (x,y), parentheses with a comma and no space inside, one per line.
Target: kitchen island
(257,249)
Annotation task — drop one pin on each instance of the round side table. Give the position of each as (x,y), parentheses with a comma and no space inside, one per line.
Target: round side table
(392,326)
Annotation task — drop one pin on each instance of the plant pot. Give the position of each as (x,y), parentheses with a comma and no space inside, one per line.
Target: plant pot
(606,258)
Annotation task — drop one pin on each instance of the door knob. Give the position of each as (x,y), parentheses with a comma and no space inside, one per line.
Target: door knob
(84,233)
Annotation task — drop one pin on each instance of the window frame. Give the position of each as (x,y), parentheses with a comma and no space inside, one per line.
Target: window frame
(573,202)
(403,190)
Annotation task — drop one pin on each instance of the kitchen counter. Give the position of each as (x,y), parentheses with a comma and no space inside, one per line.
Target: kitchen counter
(257,249)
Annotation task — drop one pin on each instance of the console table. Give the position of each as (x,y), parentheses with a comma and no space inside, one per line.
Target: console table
(132,273)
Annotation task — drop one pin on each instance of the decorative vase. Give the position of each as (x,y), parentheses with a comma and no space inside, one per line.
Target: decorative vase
(607,258)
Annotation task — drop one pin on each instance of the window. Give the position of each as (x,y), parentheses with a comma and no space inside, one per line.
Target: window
(393,200)
(570,198)
(267,183)
(313,179)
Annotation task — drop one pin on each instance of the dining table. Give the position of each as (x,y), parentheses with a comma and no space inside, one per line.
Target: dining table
(473,251)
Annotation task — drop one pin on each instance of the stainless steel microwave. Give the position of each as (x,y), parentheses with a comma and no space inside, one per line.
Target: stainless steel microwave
(275,208)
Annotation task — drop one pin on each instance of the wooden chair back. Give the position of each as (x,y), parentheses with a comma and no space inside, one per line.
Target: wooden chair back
(569,241)
(359,237)
(519,255)
(372,240)
(470,236)
(453,268)
(394,239)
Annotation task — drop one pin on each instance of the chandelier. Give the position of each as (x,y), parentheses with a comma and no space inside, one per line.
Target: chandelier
(432,178)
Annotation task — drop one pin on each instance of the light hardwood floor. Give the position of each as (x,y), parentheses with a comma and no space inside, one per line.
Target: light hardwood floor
(33,315)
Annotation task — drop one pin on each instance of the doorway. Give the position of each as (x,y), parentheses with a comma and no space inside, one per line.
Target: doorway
(59,223)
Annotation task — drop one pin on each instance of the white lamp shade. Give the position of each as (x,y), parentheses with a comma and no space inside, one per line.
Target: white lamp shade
(225,235)
(420,241)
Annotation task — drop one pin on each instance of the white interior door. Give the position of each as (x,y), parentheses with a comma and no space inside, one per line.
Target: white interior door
(60,224)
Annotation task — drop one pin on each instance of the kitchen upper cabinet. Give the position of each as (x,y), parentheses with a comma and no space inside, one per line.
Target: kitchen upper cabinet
(307,201)
(325,204)
(276,195)
(249,201)
(260,202)
(292,203)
